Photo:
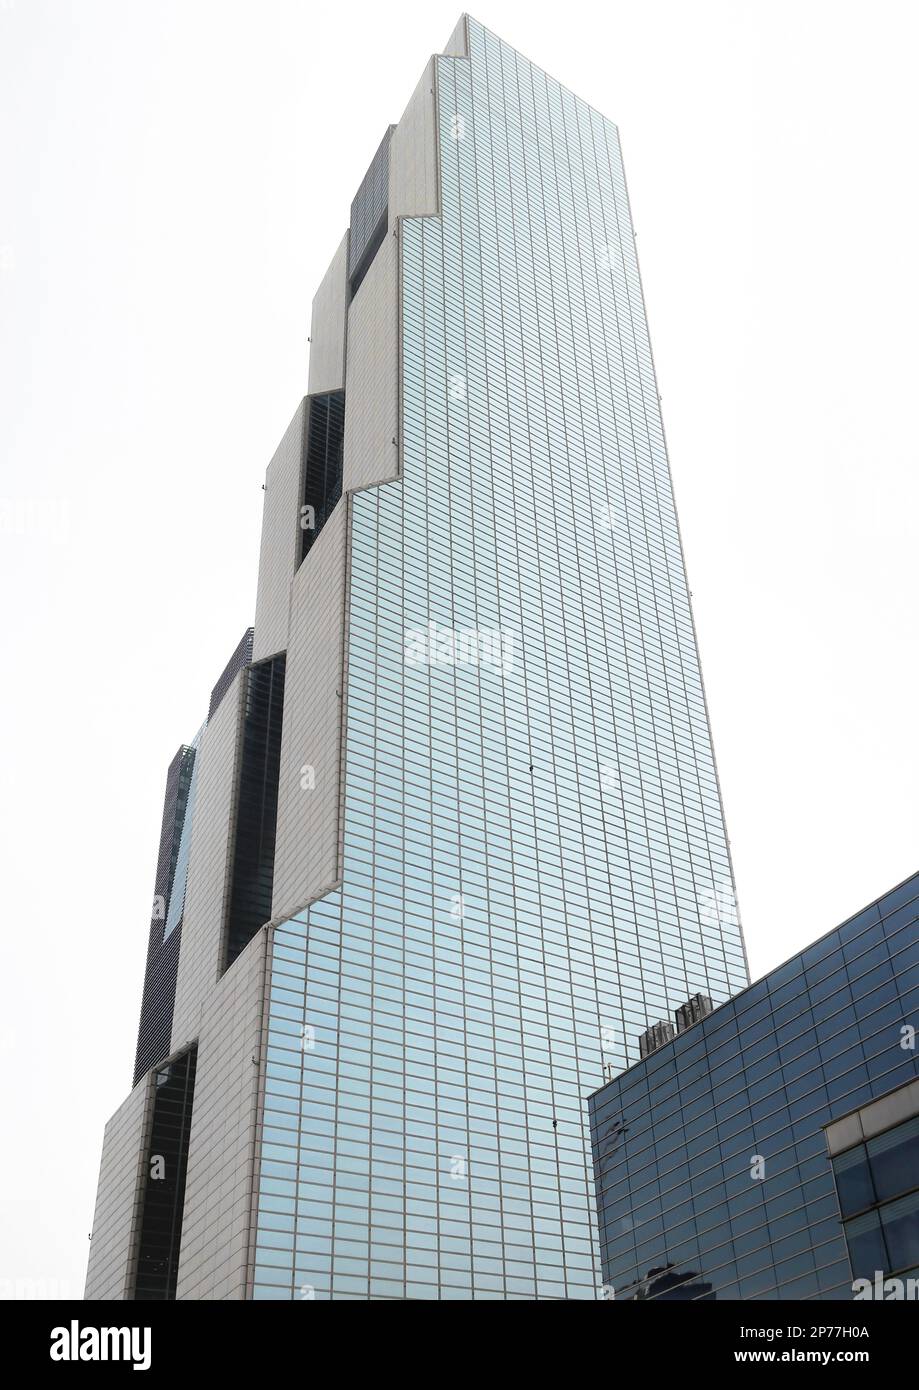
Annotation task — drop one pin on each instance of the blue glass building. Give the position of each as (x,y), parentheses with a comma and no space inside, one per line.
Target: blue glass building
(771,1150)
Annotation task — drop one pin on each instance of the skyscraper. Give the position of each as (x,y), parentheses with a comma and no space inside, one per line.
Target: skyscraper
(455,832)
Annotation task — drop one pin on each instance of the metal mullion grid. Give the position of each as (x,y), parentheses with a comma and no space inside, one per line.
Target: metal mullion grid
(491,407)
(455,70)
(590,671)
(560,1186)
(651,793)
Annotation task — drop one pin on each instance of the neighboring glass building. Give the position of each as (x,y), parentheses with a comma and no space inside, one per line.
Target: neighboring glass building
(499,847)
(765,1147)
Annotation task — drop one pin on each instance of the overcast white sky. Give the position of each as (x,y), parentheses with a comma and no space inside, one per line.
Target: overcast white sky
(174,178)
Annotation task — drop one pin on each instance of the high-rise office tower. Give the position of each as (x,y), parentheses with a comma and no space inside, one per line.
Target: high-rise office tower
(452,836)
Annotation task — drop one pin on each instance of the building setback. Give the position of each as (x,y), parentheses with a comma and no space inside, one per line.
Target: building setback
(771,1149)
(455,834)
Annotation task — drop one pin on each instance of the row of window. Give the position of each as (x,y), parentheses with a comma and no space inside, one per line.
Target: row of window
(596,947)
(471,760)
(572,1028)
(595,958)
(604,511)
(711,1148)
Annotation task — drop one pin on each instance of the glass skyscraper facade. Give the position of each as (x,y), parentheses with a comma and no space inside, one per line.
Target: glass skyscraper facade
(535,861)
(754,1154)
(454,837)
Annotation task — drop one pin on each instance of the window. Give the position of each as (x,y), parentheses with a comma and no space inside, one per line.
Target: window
(252,879)
(164,1180)
(322,465)
(369,215)
(878,1188)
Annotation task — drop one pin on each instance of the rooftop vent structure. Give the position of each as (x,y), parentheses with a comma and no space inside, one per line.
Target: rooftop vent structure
(656,1036)
(696,1008)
